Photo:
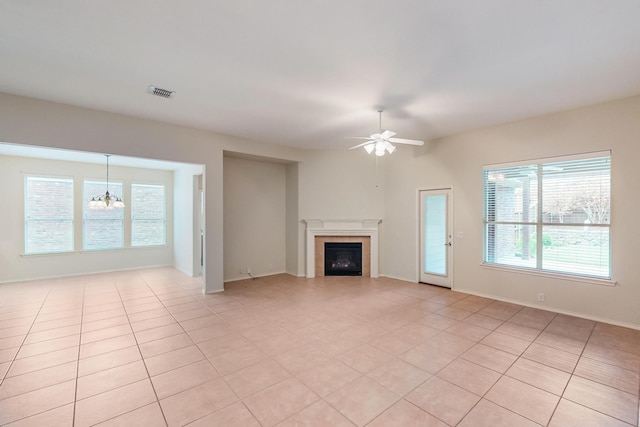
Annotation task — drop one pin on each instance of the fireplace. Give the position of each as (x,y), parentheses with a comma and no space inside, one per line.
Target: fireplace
(320,231)
(342,259)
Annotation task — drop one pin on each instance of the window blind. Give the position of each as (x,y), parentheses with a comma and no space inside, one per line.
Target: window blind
(148,215)
(551,215)
(102,228)
(48,215)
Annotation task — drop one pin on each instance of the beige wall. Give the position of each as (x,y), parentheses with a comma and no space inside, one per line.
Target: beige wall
(15,266)
(350,184)
(295,256)
(186,230)
(345,184)
(254,218)
(41,123)
(340,184)
(458,161)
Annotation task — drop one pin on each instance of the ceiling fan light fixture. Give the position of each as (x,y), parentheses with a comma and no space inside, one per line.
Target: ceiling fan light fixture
(390,147)
(381,142)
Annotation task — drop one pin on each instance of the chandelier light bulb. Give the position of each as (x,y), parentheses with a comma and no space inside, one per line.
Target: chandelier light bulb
(105,201)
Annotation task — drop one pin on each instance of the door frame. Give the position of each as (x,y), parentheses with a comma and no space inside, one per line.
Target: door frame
(419,226)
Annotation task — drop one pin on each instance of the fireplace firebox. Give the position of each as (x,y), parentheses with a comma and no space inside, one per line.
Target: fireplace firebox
(342,259)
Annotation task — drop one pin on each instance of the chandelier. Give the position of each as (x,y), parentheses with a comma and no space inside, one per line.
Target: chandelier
(106,201)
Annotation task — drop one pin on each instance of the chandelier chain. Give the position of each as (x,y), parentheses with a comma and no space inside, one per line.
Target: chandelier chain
(106,201)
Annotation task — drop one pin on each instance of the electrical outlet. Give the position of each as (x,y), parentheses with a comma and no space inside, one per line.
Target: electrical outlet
(541,296)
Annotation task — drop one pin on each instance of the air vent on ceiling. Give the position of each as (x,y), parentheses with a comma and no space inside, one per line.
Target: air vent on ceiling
(161,92)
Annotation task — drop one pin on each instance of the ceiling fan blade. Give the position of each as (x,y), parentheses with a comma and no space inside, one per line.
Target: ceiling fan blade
(406,141)
(361,145)
(358,137)
(387,134)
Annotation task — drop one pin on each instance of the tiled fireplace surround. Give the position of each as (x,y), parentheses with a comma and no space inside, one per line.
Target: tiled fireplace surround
(352,230)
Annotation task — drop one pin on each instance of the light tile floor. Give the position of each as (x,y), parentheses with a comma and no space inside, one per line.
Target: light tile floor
(147,348)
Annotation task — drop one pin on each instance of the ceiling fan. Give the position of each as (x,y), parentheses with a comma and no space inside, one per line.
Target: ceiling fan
(381,142)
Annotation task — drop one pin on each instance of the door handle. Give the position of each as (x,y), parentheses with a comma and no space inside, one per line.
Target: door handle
(448,244)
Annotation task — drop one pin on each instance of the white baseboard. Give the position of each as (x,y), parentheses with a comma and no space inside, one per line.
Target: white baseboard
(497,298)
(388,276)
(142,267)
(555,310)
(256,276)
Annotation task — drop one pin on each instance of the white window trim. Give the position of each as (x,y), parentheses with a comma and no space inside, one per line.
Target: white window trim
(567,158)
(84,219)
(610,281)
(550,274)
(164,218)
(25,220)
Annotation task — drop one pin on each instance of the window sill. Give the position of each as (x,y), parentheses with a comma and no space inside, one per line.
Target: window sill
(93,251)
(148,246)
(127,248)
(583,279)
(23,255)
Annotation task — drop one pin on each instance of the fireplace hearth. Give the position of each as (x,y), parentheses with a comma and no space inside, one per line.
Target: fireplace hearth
(342,259)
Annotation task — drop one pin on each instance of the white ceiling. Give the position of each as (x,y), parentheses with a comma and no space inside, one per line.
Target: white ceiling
(309,73)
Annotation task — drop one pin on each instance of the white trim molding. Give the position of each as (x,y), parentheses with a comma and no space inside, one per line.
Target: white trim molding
(338,227)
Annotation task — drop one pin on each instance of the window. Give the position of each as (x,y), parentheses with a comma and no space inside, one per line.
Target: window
(102,228)
(48,215)
(552,215)
(147,215)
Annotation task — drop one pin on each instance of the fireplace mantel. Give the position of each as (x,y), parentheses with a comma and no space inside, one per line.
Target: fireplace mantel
(336,227)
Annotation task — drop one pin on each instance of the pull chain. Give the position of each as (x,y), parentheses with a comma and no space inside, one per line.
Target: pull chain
(107,156)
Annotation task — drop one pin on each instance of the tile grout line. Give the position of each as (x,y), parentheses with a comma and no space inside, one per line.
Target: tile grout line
(241,400)
(513,363)
(15,356)
(162,289)
(21,345)
(126,313)
(440,331)
(137,381)
(573,374)
(502,374)
(183,331)
(75,390)
(200,350)
(367,342)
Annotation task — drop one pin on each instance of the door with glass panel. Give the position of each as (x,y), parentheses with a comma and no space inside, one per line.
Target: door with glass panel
(435,237)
